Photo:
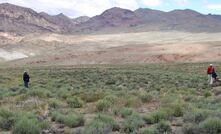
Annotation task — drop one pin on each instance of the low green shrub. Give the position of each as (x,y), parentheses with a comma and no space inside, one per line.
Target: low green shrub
(132,124)
(110,98)
(101,124)
(156,117)
(63,93)
(58,117)
(55,103)
(174,109)
(191,128)
(25,125)
(177,110)
(164,127)
(75,102)
(125,112)
(103,105)
(211,126)
(89,96)
(207,94)
(196,116)
(71,119)
(145,97)
(74,120)
(41,93)
(151,130)
(133,101)
(7,119)
(149,119)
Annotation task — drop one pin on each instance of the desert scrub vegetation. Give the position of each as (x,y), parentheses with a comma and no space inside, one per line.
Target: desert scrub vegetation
(103,105)
(25,125)
(101,124)
(7,119)
(132,123)
(211,126)
(71,119)
(75,102)
(125,112)
(150,130)
(156,117)
(121,98)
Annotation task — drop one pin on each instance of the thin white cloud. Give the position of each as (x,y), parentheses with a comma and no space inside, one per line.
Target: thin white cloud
(214,6)
(152,3)
(182,2)
(128,4)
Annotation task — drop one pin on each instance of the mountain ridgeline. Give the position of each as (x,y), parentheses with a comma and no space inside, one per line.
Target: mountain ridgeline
(20,20)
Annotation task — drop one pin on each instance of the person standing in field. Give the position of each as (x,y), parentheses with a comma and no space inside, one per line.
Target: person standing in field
(26,78)
(210,72)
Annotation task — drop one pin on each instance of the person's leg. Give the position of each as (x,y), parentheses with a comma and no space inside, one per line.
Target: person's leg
(211,80)
(26,84)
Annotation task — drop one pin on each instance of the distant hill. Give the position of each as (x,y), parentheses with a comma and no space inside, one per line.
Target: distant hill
(22,20)
(142,20)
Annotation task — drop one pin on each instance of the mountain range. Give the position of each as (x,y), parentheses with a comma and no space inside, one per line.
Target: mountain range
(21,20)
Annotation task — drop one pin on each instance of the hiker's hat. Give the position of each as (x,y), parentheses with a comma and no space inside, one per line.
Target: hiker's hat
(211,64)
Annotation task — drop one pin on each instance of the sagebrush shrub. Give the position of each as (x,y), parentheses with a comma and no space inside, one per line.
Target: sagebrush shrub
(145,97)
(191,128)
(41,93)
(132,123)
(71,119)
(26,125)
(89,96)
(164,127)
(7,119)
(103,105)
(75,102)
(195,116)
(133,101)
(156,117)
(125,112)
(211,126)
(55,103)
(110,98)
(101,124)
(151,130)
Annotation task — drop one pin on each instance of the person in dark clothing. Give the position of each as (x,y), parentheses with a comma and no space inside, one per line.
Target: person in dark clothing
(26,78)
(214,75)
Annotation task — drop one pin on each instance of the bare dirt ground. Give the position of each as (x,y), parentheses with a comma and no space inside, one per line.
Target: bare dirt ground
(147,47)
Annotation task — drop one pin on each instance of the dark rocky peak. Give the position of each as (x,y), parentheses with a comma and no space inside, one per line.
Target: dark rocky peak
(117,12)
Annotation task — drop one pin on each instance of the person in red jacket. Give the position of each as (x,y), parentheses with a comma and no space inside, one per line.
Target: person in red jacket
(210,72)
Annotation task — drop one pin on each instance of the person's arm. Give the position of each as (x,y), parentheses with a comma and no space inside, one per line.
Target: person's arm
(208,70)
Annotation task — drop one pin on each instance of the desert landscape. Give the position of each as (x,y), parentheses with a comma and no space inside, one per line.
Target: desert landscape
(123,71)
(117,36)
(124,48)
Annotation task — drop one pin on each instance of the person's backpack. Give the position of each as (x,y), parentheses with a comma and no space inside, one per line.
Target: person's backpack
(214,75)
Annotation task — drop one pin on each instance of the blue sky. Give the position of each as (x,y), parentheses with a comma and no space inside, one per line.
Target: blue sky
(75,8)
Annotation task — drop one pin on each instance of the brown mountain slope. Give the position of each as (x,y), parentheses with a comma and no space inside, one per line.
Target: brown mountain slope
(21,20)
(65,24)
(81,19)
(141,20)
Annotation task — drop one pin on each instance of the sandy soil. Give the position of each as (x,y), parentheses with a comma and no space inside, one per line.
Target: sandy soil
(149,47)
